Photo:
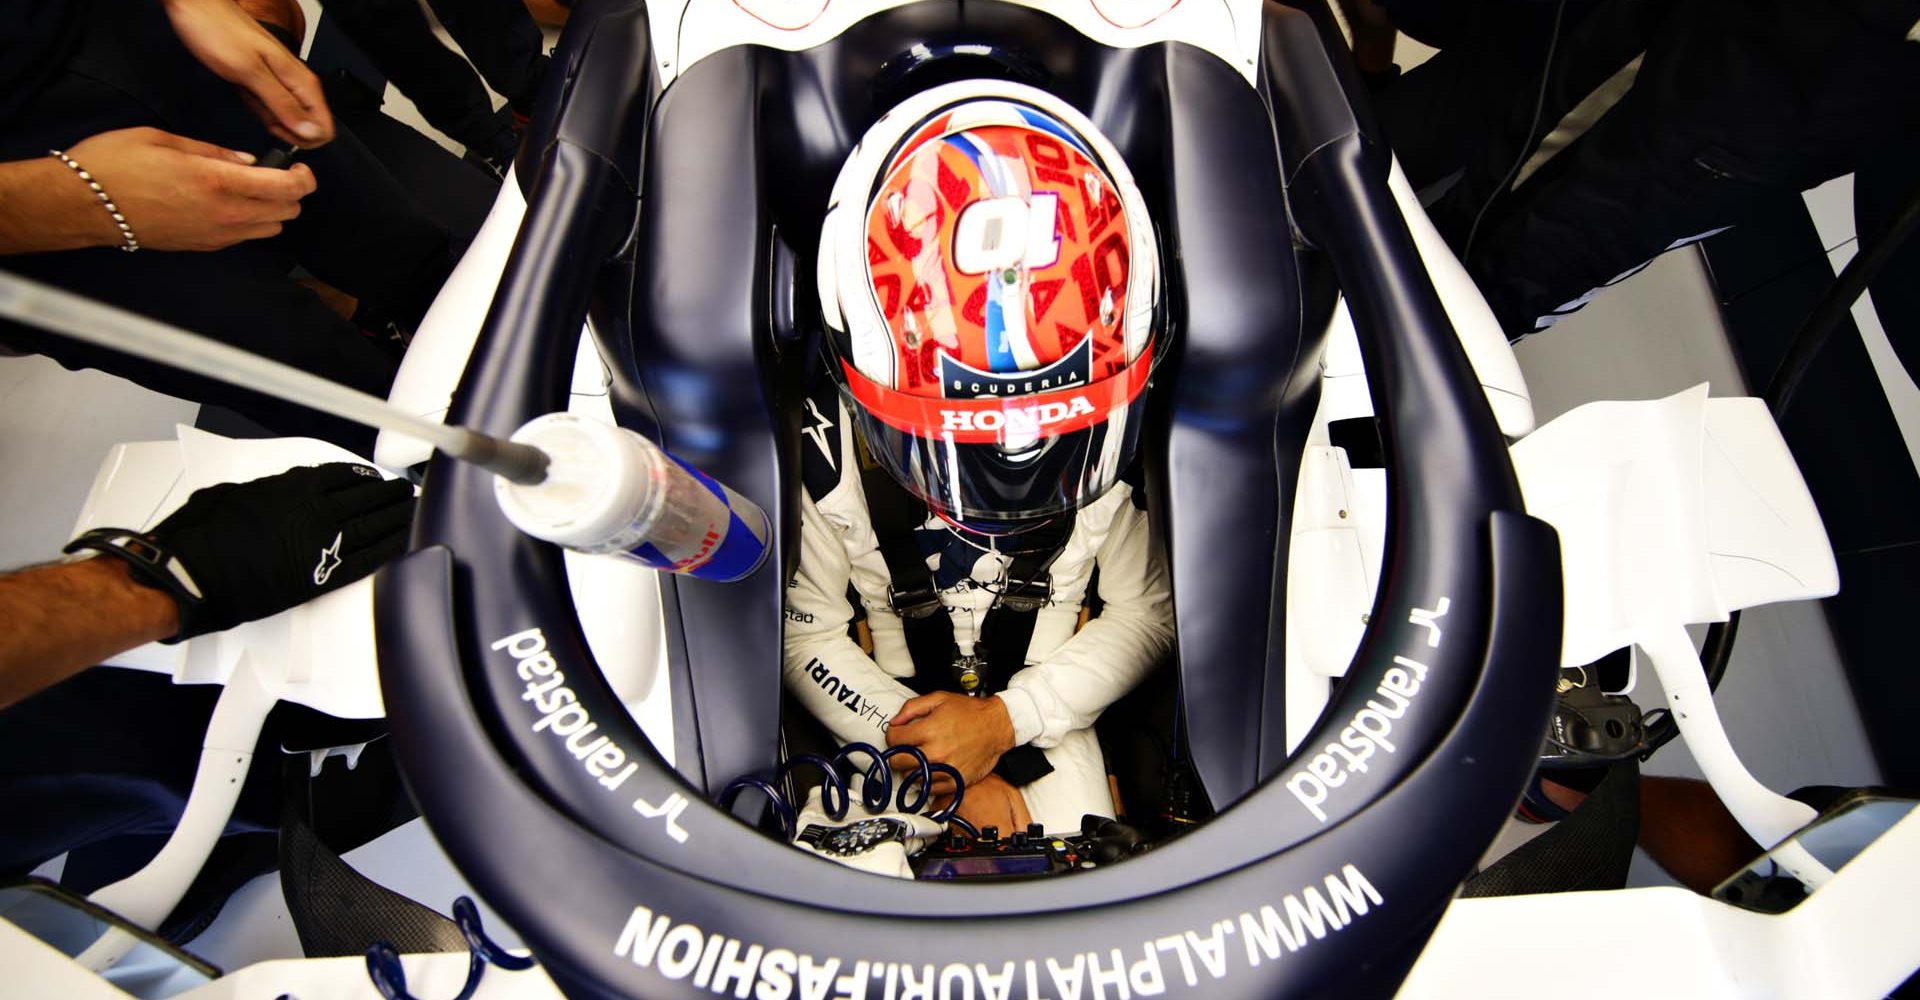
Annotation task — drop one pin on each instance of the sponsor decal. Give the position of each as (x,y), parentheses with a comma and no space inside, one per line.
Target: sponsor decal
(1193,958)
(1370,731)
(959,380)
(1016,420)
(817,432)
(329,561)
(560,712)
(669,810)
(1010,232)
(993,419)
(699,557)
(975,388)
(844,693)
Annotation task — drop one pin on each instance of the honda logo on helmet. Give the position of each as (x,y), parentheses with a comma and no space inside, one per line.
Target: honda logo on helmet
(1029,418)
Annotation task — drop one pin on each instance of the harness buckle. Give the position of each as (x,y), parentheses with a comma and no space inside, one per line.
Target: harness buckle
(968,671)
(914,603)
(1025,595)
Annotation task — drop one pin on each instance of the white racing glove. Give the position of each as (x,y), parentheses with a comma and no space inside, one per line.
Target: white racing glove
(871,842)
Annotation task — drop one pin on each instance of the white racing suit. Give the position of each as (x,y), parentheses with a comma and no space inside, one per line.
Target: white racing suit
(1070,677)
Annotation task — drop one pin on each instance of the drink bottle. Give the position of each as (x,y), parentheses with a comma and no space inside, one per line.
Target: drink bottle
(609,490)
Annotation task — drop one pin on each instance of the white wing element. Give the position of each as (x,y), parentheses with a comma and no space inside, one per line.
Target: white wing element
(1852,939)
(1673,512)
(320,654)
(148,895)
(687,31)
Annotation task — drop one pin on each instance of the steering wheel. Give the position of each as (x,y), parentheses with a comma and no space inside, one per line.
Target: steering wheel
(1328,870)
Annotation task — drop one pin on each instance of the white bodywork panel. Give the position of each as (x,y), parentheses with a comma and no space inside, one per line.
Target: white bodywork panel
(618,600)
(437,357)
(688,31)
(1337,538)
(1673,512)
(318,654)
(321,653)
(1670,512)
(1327,616)
(1851,940)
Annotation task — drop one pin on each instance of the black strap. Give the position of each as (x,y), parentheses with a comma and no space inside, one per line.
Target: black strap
(896,515)
(152,564)
(1023,765)
(1007,630)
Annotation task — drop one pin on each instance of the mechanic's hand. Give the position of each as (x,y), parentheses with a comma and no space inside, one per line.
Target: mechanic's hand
(967,733)
(273,82)
(183,194)
(256,549)
(994,802)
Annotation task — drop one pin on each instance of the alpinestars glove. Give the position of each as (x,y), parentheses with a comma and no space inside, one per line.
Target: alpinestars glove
(237,552)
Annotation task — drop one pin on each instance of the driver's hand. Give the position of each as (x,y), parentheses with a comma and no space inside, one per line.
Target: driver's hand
(256,549)
(968,734)
(994,802)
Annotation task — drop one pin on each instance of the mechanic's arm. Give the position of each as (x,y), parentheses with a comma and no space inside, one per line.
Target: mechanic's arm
(61,619)
(176,193)
(1112,653)
(250,550)
(827,671)
(274,84)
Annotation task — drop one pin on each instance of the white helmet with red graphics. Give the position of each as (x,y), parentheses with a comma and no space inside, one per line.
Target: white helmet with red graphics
(990,283)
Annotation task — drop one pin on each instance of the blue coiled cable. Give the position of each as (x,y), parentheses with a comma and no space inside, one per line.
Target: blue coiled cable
(876,791)
(390,978)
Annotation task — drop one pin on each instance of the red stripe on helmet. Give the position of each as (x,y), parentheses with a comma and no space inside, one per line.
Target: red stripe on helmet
(928,132)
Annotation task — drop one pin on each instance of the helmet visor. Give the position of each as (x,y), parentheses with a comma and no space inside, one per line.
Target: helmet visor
(1003,460)
(994,489)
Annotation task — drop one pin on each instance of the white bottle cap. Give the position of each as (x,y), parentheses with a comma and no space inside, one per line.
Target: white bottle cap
(598,483)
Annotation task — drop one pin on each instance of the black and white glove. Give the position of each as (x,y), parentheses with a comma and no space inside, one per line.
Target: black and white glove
(236,552)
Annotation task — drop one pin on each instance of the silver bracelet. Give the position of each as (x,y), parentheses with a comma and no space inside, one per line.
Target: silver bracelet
(131,242)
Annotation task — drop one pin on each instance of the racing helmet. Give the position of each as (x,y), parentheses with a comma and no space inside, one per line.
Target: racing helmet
(990,284)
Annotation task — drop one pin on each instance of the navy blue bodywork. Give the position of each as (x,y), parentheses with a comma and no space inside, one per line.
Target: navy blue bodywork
(682,221)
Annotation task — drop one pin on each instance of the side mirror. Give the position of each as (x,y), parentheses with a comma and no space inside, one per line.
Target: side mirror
(152,970)
(1840,833)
